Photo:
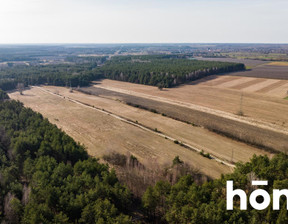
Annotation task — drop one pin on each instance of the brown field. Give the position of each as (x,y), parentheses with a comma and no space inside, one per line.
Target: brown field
(259,69)
(221,147)
(261,108)
(252,82)
(279,63)
(247,62)
(265,71)
(270,87)
(211,107)
(102,133)
(232,81)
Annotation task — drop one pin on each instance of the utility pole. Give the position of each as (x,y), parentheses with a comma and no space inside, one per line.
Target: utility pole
(241,102)
(240,112)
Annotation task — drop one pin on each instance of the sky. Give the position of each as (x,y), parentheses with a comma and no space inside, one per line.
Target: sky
(135,21)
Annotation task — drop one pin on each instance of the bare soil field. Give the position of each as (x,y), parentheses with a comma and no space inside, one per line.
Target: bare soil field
(270,87)
(265,71)
(265,109)
(220,146)
(102,133)
(193,103)
(247,62)
(259,69)
(279,63)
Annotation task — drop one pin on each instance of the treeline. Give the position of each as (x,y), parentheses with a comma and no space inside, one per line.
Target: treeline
(3,95)
(87,59)
(188,202)
(163,70)
(158,70)
(46,177)
(58,75)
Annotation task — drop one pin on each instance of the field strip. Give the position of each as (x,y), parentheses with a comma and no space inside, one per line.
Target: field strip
(209,79)
(272,86)
(247,84)
(135,124)
(278,63)
(255,88)
(234,82)
(282,90)
(221,80)
(246,120)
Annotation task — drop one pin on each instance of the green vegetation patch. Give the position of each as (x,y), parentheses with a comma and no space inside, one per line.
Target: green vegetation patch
(46,177)
(3,95)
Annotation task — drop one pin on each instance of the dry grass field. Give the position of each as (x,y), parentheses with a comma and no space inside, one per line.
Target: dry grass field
(102,133)
(209,142)
(264,122)
(268,109)
(270,87)
(279,63)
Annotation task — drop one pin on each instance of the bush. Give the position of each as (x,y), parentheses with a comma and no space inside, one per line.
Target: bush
(115,158)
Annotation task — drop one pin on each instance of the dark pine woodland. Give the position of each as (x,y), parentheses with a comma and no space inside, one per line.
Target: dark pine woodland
(163,71)
(46,177)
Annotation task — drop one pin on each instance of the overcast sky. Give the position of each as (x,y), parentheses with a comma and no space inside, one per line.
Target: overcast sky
(147,21)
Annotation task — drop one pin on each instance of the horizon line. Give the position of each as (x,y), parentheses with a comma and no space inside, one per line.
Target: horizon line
(109,43)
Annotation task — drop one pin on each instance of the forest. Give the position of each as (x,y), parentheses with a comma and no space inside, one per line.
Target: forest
(188,202)
(71,75)
(46,177)
(163,71)
(158,70)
